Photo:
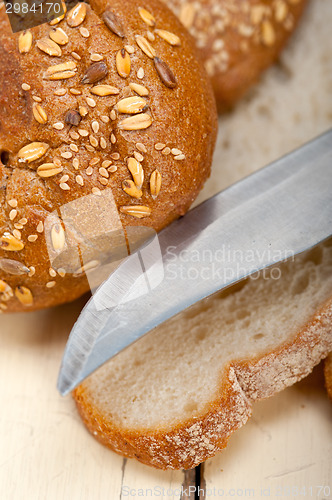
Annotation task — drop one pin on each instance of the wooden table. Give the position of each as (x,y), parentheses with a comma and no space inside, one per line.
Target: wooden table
(46,452)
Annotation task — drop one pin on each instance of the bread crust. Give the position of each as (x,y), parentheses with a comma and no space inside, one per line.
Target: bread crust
(328,375)
(183,118)
(238,40)
(242,382)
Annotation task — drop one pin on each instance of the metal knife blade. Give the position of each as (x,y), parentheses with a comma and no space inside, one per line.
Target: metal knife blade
(279,211)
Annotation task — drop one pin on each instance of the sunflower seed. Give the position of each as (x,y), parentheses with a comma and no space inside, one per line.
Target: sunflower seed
(10,243)
(123,63)
(73,117)
(24,295)
(165,73)
(14,267)
(97,71)
(103,90)
(138,211)
(131,189)
(131,105)
(49,47)
(155,183)
(76,15)
(39,114)
(113,23)
(48,170)
(145,46)
(32,151)
(58,36)
(136,170)
(147,17)
(169,37)
(137,122)
(25,41)
(139,89)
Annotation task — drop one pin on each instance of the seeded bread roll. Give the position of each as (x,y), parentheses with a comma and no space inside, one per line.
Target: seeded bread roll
(238,39)
(95,102)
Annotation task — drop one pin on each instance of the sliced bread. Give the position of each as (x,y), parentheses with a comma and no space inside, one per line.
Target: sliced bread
(173,399)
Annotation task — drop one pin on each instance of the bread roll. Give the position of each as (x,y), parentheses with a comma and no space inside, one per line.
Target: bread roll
(238,39)
(95,104)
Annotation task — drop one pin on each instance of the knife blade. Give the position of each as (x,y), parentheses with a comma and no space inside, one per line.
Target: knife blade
(273,214)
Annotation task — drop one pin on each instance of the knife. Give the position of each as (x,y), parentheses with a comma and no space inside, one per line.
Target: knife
(271,215)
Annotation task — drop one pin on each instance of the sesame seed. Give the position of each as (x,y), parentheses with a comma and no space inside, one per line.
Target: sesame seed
(23,221)
(91,102)
(103,143)
(113,115)
(75,91)
(73,147)
(138,156)
(17,234)
(140,146)
(115,156)
(103,172)
(76,163)
(12,203)
(40,227)
(79,180)
(159,146)
(113,139)
(18,226)
(103,181)
(83,132)
(32,271)
(50,284)
(179,157)
(67,155)
(36,98)
(61,272)
(60,92)
(83,110)
(52,273)
(106,163)
(84,32)
(95,126)
(89,171)
(140,73)
(32,238)
(104,118)
(74,135)
(76,56)
(112,168)
(166,151)
(89,148)
(93,141)
(150,36)
(176,151)
(96,191)
(64,186)
(64,178)
(96,57)
(12,214)
(130,49)
(58,126)
(25,86)
(94,161)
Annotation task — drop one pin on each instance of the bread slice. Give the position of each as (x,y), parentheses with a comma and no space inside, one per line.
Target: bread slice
(328,375)
(173,399)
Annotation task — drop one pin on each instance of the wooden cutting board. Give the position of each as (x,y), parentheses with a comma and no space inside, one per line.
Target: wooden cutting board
(46,452)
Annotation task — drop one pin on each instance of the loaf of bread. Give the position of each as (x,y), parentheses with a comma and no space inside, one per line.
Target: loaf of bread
(173,399)
(95,103)
(238,39)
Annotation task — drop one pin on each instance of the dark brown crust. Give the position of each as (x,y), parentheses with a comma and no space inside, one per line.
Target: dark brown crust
(247,55)
(242,382)
(184,118)
(328,375)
